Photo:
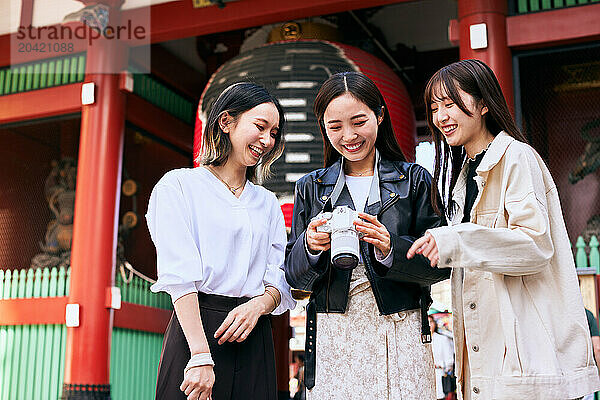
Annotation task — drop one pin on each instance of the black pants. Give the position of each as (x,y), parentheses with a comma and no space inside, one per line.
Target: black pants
(243,371)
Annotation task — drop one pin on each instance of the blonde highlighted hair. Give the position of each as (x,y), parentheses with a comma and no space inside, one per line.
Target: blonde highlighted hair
(236,100)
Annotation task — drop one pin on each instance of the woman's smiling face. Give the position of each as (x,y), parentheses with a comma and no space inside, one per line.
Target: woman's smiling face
(253,134)
(351,127)
(457,127)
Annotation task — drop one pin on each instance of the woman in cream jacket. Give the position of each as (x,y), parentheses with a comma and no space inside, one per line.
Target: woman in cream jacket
(519,324)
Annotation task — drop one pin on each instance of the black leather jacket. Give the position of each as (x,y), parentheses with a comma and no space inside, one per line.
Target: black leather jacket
(405,210)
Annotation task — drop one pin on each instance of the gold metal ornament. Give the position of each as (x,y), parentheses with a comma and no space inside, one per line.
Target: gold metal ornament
(129,187)
(130,219)
(291,31)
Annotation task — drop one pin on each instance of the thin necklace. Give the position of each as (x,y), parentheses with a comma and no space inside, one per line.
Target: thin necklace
(231,188)
(361,173)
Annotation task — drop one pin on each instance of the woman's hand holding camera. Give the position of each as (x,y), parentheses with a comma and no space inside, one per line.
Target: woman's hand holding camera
(374,232)
(317,241)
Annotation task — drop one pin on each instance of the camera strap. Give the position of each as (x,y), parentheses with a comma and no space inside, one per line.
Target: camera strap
(310,346)
(425,329)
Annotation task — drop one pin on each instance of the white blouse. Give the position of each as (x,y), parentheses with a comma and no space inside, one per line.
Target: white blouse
(210,241)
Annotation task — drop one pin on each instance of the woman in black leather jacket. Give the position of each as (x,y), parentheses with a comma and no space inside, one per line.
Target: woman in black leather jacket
(372,324)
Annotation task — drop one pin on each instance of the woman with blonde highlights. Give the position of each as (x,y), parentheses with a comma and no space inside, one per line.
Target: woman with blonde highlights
(220,242)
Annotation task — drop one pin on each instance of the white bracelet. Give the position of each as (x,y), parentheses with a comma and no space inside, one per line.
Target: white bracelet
(199,360)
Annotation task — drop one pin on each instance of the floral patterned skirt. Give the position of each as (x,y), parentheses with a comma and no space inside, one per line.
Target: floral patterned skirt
(363,355)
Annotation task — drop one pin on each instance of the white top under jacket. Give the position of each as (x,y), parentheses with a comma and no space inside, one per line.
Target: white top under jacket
(210,241)
(362,189)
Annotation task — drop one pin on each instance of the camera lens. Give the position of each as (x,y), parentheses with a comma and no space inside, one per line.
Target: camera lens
(345,261)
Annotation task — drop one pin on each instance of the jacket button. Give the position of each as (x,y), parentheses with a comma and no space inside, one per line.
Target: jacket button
(472,306)
(324,198)
(475,348)
(475,389)
(448,260)
(392,194)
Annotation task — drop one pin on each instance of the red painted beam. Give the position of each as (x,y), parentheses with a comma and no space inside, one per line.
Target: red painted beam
(179,19)
(33,311)
(142,318)
(41,103)
(160,123)
(66,99)
(556,27)
(51,310)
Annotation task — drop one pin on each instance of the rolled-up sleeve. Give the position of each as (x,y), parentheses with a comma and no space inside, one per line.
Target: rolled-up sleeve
(275,275)
(179,263)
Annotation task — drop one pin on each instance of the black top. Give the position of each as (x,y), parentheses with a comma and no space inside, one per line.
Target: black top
(471,185)
(593,324)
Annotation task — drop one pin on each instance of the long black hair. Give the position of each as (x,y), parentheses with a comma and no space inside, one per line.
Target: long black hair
(475,78)
(235,100)
(364,90)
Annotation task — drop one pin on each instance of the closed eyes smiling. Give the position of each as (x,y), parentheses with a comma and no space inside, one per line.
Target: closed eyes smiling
(338,127)
(447,105)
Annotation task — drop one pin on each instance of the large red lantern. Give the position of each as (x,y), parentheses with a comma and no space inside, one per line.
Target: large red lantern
(293,71)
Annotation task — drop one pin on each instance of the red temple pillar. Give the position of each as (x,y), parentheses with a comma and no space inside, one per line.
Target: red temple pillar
(95,225)
(496,53)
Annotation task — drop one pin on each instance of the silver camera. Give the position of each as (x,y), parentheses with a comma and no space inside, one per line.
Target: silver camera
(344,237)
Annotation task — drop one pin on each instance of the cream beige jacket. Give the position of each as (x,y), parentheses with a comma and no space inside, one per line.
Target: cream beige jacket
(517,308)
